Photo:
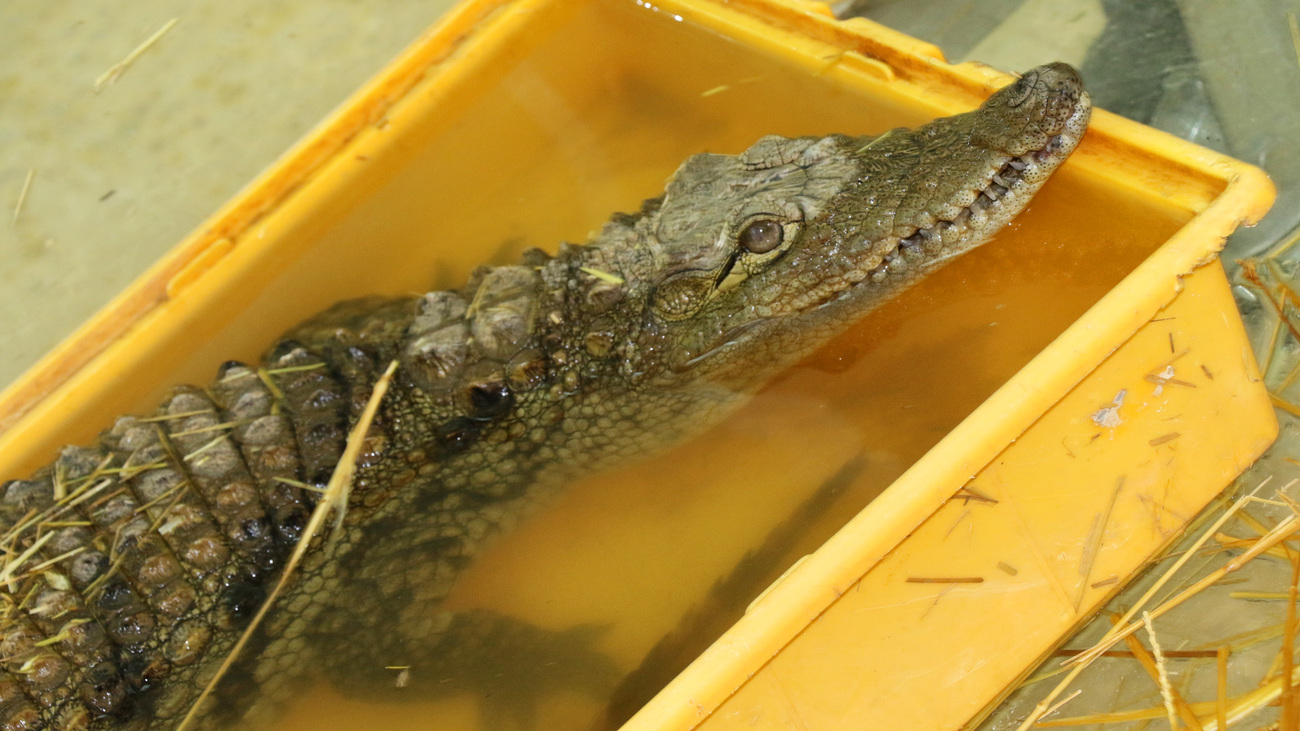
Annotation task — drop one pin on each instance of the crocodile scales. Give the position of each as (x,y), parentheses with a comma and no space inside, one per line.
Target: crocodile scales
(133,566)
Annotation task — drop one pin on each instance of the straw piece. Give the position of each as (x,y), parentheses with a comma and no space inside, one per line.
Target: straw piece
(334,500)
(22,195)
(1154,666)
(1251,274)
(968,493)
(110,77)
(1238,708)
(1295,34)
(1283,530)
(1221,687)
(1290,719)
(602,275)
(1116,634)
(1093,543)
(962,516)
(1163,439)
(1162,676)
(1063,701)
(7,572)
(1129,654)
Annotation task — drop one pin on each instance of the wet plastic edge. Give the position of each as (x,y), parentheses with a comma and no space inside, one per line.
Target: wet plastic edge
(856,548)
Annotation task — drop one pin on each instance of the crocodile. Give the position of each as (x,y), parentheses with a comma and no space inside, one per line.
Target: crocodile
(134,565)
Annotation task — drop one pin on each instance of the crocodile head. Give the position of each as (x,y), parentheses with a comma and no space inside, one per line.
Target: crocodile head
(761,257)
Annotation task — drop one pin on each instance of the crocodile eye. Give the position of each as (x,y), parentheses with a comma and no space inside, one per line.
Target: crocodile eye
(761,237)
(1021,90)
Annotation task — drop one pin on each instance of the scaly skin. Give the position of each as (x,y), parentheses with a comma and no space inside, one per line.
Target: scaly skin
(143,557)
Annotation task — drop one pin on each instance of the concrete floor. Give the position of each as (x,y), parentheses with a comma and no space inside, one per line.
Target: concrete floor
(119,176)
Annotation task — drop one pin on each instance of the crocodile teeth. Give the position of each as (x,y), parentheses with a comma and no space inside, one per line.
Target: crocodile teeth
(1053,145)
(884,247)
(932,240)
(1000,185)
(929,240)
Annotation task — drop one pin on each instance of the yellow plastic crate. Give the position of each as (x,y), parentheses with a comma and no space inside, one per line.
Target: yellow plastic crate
(526,122)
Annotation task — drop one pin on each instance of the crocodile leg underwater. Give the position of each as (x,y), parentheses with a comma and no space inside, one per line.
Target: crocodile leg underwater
(133,565)
(725,603)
